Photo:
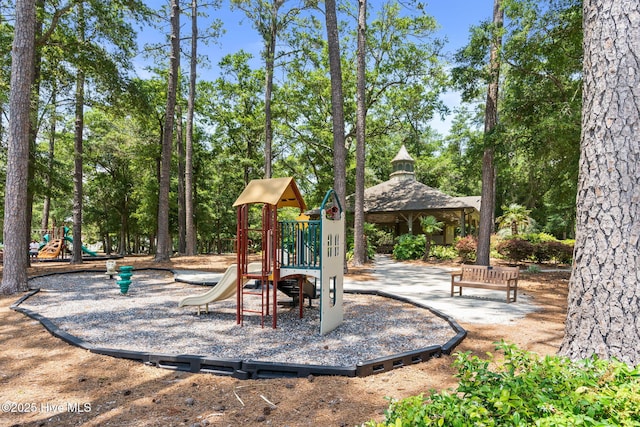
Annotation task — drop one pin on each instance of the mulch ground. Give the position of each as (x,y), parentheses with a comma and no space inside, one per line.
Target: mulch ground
(44,381)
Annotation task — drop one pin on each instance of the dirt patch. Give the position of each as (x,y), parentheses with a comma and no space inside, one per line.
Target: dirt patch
(52,383)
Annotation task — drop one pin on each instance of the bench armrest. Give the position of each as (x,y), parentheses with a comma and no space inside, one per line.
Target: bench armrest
(455,274)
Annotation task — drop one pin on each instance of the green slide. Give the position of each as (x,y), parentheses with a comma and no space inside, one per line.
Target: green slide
(85,250)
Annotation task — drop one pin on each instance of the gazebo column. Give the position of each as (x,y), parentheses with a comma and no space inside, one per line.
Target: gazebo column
(409,219)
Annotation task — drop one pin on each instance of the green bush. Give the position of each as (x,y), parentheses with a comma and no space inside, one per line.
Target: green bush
(371,252)
(547,248)
(541,252)
(553,250)
(409,247)
(443,252)
(526,390)
(570,242)
(515,249)
(467,247)
(539,237)
(540,243)
(373,236)
(533,269)
(376,238)
(560,252)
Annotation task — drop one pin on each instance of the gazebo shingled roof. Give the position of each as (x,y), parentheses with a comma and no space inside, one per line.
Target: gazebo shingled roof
(407,195)
(403,198)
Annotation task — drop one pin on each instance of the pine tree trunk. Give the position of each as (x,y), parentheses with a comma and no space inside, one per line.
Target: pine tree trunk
(46,208)
(77,174)
(182,220)
(359,241)
(337,102)
(337,107)
(604,288)
(77,149)
(16,240)
(191,243)
(123,248)
(269,65)
(164,249)
(487,204)
(33,130)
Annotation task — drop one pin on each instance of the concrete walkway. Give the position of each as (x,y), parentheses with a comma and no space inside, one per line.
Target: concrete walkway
(431,286)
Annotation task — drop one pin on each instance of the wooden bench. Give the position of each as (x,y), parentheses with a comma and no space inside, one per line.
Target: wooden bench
(481,276)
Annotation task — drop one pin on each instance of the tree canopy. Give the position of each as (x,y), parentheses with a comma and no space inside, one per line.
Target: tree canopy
(406,74)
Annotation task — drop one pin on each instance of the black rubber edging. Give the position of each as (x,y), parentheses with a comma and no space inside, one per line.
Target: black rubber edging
(48,324)
(388,363)
(251,369)
(262,370)
(448,347)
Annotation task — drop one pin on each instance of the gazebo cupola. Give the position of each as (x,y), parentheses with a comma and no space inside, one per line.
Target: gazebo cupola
(403,165)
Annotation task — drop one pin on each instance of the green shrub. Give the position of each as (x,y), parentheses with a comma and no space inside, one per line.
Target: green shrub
(526,390)
(371,252)
(372,234)
(376,238)
(534,269)
(515,249)
(409,247)
(539,237)
(570,242)
(541,252)
(560,252)
(443,252)
(467,247)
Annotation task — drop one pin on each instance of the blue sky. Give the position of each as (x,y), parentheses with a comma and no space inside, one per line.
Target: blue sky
(454,17)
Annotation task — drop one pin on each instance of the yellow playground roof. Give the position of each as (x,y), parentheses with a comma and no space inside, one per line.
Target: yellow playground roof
(273,191)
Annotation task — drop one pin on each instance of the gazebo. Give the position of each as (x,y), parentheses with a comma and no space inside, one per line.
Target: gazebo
(398,204)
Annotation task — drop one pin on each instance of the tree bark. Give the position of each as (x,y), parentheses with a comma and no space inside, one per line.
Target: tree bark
(270,53)
(359,239)
(123,246)
(163,252)
(602,315)
(16,239)
(182,220)
(46,208)
(487,203)
(337,103)
(33,129)
(77,149)
(191,243)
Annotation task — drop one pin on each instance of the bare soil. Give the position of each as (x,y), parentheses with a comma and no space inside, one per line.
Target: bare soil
(44,381)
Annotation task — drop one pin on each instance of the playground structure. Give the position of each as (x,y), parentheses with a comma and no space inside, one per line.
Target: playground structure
(55,243)
(294,250)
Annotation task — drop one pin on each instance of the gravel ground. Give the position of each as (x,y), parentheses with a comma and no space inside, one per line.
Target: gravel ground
(90,306)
